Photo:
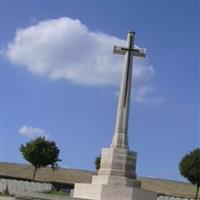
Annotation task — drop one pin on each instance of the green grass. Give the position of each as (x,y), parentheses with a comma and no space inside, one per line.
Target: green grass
(59,193)
(4,195)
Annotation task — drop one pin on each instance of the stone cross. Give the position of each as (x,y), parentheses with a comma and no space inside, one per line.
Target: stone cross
(120,138)
(116,178)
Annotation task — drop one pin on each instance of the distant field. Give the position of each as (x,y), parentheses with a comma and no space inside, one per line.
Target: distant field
(45,174)
(71,176)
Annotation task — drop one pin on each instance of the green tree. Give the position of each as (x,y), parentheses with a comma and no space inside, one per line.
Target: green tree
(41,153)
(190,168)
(98,162)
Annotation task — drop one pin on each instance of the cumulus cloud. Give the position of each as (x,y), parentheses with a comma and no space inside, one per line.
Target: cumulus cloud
(32,132)
(65,48)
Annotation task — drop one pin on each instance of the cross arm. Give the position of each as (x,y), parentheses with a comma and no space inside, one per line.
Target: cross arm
(139,52)
(136,52)
(119,50)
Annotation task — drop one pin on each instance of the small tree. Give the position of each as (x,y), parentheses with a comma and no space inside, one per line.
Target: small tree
(98,162)
(41,153)
(190,168)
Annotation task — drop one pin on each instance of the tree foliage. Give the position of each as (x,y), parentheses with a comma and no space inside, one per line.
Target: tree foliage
(98,162)
(41,153)
(190,168)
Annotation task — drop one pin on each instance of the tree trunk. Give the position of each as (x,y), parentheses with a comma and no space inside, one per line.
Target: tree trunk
(197,192)
(35,169)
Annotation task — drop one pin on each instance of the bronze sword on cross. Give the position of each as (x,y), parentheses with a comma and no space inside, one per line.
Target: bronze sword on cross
(120,139)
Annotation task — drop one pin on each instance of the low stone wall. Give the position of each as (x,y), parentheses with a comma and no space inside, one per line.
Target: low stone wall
(162,197)
(13,187)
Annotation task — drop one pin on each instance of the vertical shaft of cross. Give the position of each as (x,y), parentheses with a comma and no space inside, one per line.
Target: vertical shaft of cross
(120,138)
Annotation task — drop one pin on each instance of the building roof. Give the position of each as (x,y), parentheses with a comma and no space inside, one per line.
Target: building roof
(71,176)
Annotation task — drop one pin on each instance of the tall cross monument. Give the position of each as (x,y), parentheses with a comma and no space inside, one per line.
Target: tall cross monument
(120,139)
(116,178)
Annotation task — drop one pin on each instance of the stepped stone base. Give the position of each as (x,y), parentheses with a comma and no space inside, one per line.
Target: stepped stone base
(116,179)
(111,192)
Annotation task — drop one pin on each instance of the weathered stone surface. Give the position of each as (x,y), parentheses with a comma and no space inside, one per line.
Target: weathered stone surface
(111,192)
(117,168)
(118,162)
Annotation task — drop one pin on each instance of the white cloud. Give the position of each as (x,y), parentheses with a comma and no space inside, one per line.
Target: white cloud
(66,49)
(147,94)
(32,132)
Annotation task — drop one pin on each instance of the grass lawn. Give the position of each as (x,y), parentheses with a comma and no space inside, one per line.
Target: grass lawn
(4,195)
(59,193)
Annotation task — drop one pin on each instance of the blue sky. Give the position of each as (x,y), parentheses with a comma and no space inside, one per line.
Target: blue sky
(60,79)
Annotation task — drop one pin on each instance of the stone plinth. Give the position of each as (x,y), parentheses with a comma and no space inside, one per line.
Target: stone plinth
(111,192)
(117,168)
(118,162)
(116,179)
